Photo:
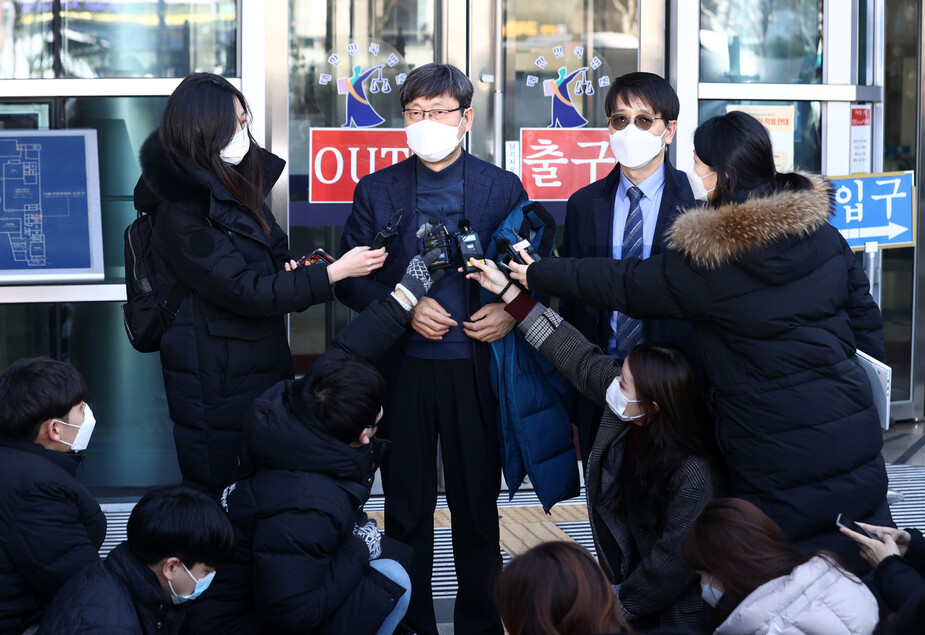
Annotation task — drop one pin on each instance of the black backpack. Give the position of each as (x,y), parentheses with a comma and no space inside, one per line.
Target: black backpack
(144,314)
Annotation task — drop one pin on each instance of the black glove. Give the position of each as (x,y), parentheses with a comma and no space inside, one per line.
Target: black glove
(417,279)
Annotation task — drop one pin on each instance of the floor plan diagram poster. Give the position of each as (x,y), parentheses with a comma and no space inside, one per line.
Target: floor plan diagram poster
(50,226)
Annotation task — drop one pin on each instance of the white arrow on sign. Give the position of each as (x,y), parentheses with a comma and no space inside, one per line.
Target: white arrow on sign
(890,231)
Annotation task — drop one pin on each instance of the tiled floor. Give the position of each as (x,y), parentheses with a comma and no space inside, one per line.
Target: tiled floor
(904,444)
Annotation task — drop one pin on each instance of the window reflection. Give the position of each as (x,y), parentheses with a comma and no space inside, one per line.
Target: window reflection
(768,41)
(543,37)
(399,39)
(900,123)
(154,38)
(132,445)
(807,128)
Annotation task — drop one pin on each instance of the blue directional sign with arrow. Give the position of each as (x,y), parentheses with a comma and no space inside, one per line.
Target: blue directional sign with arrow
(876,208)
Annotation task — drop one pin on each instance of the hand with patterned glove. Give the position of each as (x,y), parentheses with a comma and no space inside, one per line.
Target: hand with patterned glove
(417,280)
(369,533)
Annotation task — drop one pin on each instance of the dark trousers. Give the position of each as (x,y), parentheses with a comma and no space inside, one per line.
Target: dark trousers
(440,398)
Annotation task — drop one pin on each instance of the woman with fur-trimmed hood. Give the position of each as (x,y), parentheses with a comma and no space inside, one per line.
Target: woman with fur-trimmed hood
(780,303)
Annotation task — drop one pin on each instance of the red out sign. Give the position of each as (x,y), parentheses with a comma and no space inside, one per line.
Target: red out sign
(340,157)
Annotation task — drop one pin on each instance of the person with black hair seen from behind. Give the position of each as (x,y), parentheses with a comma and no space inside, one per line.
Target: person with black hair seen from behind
(757,582)
(780,303)
(898,559)
(206,181)
(628,213)
(176,538)
(650,470)
(438,373)
(557,588)
(309,560)
(50,525)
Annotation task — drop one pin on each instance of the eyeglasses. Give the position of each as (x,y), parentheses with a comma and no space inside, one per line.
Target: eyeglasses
(438,114)
(643,122)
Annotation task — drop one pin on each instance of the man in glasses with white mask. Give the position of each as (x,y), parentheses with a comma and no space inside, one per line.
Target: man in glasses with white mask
(627,214)
(437,374)
(50,525)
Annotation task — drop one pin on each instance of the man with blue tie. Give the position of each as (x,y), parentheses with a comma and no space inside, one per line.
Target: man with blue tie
(627,214)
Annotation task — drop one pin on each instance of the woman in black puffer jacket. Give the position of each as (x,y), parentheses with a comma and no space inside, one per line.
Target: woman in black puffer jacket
(779,303)
(207,181)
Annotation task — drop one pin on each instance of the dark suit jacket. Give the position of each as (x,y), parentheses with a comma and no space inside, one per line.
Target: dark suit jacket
(588,234)
(490,195)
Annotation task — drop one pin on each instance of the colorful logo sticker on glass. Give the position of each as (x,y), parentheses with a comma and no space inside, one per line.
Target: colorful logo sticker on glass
(571,91)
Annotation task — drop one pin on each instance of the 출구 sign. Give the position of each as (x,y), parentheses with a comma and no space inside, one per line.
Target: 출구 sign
(875,208)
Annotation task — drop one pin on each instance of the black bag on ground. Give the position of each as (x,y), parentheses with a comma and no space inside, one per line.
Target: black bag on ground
(145,314)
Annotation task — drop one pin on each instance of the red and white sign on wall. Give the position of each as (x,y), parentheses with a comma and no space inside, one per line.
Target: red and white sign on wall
(555,162)
(861,157)
(340,157)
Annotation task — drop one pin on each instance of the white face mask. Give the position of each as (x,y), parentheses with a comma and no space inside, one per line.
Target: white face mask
(633,148)
(201,586)
(701,193)
(617,401)
(431,140)
(238,146)
(84,431)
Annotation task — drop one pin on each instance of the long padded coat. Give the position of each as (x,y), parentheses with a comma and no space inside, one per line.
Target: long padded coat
(228,342)
(779,303)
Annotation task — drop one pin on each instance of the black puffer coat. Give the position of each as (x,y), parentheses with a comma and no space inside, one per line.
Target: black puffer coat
(298,568)
(228,342)
(119,595)
(779,303)
(50,528)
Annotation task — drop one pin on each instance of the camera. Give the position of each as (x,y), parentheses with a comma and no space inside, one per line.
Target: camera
(435,237)
(469,246)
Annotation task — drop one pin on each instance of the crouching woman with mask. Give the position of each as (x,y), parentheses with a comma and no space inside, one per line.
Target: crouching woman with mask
(758,582)
(650,470)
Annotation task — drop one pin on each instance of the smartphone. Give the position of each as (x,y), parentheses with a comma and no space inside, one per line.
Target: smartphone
(319,255)
(847,523)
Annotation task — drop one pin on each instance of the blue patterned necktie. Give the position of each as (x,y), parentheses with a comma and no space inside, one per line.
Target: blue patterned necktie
(628,330)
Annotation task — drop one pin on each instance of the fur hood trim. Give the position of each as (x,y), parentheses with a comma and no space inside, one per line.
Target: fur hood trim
(183,184)
(712,237)
(167,180)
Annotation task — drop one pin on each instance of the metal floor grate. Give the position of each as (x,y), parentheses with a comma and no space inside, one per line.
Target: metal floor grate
(910,480)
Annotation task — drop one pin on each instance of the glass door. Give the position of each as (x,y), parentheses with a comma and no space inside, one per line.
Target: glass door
(347,62)
(541,74)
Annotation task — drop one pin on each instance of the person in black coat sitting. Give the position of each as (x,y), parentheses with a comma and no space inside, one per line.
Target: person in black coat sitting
(177,536)
(50,525)
(308,559)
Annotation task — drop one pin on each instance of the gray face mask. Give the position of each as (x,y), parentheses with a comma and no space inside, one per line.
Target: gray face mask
(709,594)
